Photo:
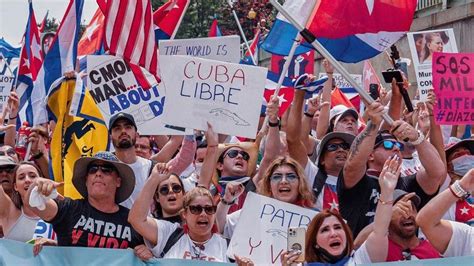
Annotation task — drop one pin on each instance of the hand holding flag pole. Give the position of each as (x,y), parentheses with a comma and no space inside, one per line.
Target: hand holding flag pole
(241,31)
(310,38)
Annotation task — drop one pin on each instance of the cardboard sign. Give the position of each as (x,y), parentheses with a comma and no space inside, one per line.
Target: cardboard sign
(229,96)
(453,82)
(114,89)
(226,49)
(5,87)
(422,46)
(261,233)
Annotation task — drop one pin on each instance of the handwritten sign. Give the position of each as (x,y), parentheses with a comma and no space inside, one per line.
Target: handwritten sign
(453,82)
(261,233)
(226,49)
(200,91)
(5,87)
(114,89)
(422,46)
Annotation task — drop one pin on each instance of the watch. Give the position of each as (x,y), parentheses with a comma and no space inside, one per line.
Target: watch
(227,202)
(276,124)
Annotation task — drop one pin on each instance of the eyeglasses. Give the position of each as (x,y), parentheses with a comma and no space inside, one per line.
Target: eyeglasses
(7,170)
(290,177)
(406,254)
(197,209)
(388,145)
(165,190)
(106,169)
(9,152)
(234,153)
(334,146)
(143,147)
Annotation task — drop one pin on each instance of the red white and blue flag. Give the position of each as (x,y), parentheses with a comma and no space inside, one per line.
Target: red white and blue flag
(330,199)
(253,52)
(214,31)
(92,39)
(356,30)
(31,59)
(43,23)
(465,211)
(168,17)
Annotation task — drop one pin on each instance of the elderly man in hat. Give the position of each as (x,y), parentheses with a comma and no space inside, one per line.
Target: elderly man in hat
(358,188)
(97,220)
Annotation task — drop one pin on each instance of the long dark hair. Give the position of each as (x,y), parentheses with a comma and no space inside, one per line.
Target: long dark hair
(311,254)
(158,211)
(16,198)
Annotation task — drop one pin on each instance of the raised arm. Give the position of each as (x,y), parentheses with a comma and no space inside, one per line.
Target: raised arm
(232,192)
(45,188)
(167,152)
(439,232)
(363,145)
(185,155)
(210,162)
(138,216)
(5,203)
(377,242)
(323,122)
(296,147)
(13,104)
(272,144)
(433,170)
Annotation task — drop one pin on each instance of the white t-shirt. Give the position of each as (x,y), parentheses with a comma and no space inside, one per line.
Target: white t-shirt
(230,223)
(462,241)
(411,166)
(141,169)
(310,171)
(214,250)
(189,182)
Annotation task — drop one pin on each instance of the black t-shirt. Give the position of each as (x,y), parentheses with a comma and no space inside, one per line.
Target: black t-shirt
(77,223)
(357,205)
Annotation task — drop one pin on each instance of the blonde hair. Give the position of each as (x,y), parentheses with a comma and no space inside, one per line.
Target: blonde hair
(195,193)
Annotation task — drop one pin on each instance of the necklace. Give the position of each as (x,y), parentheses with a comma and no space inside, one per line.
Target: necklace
(200,245)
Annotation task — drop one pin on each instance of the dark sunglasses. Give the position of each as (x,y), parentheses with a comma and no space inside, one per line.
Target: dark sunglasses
(388,145)
(8,170)
(197,209)
(165,190)
(10,152)
(334,146)
(106,169)
(291,177)
(234,153)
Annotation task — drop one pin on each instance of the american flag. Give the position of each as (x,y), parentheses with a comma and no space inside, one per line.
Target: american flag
(129,33)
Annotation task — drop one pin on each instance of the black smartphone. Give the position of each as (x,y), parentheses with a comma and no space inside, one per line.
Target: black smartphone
(374,91)
(389,75)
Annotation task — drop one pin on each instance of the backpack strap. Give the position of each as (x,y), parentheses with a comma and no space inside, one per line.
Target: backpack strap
(173,239)
(153,163)
(318,183)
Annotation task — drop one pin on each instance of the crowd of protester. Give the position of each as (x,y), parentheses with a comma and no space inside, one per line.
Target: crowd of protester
(384,192)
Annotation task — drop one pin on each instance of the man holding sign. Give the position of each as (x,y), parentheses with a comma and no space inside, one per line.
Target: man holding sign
(453,82)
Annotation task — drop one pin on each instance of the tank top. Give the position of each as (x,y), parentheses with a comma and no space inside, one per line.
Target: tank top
(23,229)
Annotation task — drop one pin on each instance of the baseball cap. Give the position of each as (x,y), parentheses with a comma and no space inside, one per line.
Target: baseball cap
(121,116)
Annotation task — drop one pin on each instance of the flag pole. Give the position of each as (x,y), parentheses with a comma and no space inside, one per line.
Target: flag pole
(241,31)
(287,63)
(309,37)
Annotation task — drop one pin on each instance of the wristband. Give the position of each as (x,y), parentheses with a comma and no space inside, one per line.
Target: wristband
(390,202)
(459,191)
(308,114)
(276,124)
(11,118)
(227,202)
(420,138)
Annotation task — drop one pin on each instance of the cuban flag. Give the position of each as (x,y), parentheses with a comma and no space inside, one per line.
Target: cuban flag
(356,30)
(9,56)
(214,31)
(247,60)
(91,40)
(30,64)
(168,17)
(282,34)
(61,58)
(43,23)
(465,211)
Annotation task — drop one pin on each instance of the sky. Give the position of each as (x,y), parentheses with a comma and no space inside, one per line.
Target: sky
(14,15)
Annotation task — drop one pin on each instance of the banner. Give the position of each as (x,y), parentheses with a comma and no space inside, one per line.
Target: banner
(226,48)
(229,96)
(423,45)
(344,85)
(5,87)
(453,82)
(114,89)
(301,64)
(262,229)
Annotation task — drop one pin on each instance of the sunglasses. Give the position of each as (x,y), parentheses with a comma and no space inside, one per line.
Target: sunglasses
(197,209)
(388,145)
(334,146)
(8,170)
(234,153)
(165,190)
(106,169)
(10,152)
(290,177)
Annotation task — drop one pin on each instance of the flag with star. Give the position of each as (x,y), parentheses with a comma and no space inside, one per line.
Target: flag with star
(465,211)
(31,59)
(285,94)
(330,199)
(91,40)
(369,76)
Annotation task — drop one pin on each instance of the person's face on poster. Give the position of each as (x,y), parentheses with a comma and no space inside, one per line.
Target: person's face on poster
(436,44)
(419,44)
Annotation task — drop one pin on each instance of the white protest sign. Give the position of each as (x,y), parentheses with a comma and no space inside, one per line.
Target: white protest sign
(422,46)
(114,89)
(5,87)
(261,233)
(341,82)
(226,48)
(229,96)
